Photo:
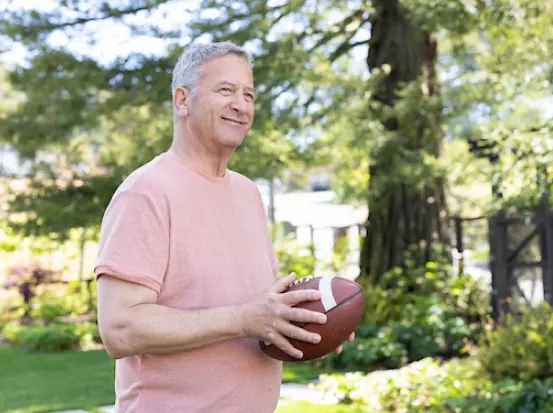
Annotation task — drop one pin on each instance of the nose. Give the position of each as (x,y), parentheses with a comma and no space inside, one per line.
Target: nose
(238,103)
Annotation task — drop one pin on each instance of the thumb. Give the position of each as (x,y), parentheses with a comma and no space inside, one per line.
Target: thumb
(283,284)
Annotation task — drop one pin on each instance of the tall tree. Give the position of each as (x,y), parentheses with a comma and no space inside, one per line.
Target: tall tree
(307,70)
(407,201)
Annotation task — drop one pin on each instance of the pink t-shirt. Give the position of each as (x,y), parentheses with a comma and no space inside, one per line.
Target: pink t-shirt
(198,241)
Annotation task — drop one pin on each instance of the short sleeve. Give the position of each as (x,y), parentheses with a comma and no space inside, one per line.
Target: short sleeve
(134,241)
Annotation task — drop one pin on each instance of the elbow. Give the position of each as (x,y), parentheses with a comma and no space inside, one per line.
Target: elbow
(114,351)
(115,340)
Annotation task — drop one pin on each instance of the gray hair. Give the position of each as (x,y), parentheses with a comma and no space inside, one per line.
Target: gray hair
(188,69)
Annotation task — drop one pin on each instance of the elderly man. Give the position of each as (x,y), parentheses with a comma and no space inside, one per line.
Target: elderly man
(186,273)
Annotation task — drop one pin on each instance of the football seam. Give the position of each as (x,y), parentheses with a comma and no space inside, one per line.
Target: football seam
(338,305)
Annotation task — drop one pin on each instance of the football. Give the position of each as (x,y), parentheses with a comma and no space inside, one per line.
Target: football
(342,301)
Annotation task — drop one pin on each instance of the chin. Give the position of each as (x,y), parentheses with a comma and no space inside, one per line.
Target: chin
(231,142)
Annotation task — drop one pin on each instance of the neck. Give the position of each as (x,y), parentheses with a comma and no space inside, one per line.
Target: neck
(209,161)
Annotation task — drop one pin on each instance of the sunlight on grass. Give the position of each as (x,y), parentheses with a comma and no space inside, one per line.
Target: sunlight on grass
(296,406)
(41,383)
(47,382)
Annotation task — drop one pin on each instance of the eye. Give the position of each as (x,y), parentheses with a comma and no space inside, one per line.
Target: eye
(250,96)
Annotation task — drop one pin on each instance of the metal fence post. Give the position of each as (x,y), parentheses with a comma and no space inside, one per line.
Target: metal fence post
(459,243)
(546,235)
(501,283)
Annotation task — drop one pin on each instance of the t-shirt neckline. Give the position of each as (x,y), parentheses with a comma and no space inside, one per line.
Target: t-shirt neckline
(190,168)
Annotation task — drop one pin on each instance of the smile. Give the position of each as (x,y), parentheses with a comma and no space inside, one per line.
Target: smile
(235,121)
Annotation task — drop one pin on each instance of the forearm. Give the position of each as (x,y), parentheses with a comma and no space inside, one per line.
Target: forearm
(152,328)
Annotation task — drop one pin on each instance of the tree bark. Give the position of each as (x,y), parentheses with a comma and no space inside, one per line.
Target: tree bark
(405,214)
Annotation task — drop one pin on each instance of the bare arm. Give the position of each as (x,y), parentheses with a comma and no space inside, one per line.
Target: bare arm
(131,322)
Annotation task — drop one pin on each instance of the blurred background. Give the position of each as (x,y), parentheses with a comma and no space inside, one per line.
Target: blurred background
(405,144)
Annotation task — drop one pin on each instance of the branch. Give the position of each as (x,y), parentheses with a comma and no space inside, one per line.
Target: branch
(106,13)
(346,46)
(340,28)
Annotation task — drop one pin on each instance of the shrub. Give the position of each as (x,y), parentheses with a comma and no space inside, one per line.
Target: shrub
(294,257)
(69,300)
(508,396)
(51,338)
(521,347)
(413,313)
(423,386)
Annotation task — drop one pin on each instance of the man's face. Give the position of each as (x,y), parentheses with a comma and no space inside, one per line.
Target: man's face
(222,111)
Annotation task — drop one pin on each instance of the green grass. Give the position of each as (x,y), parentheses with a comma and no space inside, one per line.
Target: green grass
(294,406)
(46,382)
(301,373)
(40,382)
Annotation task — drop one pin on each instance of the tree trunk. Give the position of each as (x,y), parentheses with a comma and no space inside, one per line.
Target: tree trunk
(407,207)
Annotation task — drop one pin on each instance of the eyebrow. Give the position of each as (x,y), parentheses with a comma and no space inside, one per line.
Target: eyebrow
(225,82)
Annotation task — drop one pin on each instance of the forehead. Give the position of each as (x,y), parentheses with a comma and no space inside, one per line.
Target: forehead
(229,68)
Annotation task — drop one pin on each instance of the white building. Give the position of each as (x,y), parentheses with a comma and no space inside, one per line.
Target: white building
(315,217)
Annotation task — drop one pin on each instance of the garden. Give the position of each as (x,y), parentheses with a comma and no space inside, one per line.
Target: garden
(420,132)
(427,343)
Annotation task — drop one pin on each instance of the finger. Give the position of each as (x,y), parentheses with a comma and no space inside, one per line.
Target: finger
(283,283)
(351,337)
(293,298)
(298,333)
(303,315)
(339,349)
(282,343)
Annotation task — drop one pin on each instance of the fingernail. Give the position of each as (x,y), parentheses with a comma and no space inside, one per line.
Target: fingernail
(316,338)
(323,318)
(299,354)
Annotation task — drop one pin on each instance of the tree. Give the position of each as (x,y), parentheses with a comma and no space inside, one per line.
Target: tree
(360,78)
(111,117)
(297,70)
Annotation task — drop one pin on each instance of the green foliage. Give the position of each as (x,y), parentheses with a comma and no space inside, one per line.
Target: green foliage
(414,313)
(51,338)
(456,386)
(413,292)
(398,344)
(520,348)
(509,396)
(49,306)
(423,386)
(294,257)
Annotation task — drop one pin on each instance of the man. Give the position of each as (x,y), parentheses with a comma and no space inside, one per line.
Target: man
(186,273)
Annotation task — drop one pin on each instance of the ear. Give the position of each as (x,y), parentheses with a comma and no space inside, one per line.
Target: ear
(181,101)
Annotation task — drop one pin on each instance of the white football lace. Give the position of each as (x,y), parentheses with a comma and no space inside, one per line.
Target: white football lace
(304,279)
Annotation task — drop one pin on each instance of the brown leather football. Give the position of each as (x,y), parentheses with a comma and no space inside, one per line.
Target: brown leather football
(342,301)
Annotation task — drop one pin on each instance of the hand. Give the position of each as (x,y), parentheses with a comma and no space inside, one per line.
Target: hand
(269,316)
(341,346)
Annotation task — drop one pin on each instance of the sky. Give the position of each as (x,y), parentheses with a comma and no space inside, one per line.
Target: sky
(112,39)
(115,39)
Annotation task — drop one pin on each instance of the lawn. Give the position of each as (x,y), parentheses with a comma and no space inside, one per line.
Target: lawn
(304,407)
(43,383)
(40,383)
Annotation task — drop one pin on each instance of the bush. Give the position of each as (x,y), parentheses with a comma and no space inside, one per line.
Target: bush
(51,306)
(51,338)
(294,257)
(509,397)
(521,348)
(457,386)
(428,289)
(414,313)
(423,386)
(398,344)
